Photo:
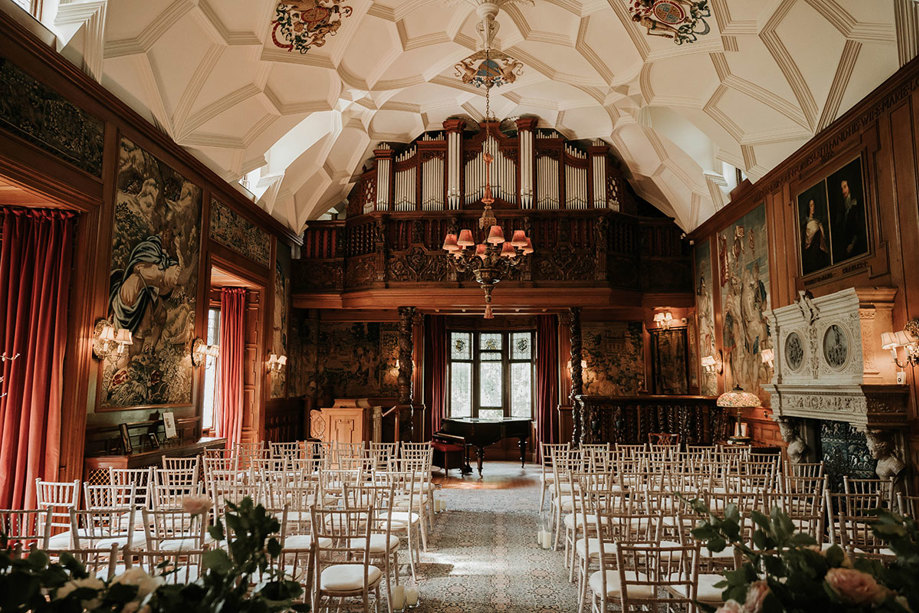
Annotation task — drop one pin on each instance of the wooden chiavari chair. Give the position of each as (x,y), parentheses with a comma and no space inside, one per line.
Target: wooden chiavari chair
(384,545)
(404,520)
(849,514)
(174,530)
(615,531)
(546,476)
(101,563)
(26,529)
(100,528)
(882,487)
(564,461)
(657,577)
(59,498)
(287,450)
(908,506)
(343,564)
(140,478)
(805,469)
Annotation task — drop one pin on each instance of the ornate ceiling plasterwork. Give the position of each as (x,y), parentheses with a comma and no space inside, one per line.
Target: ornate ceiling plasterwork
(764,80)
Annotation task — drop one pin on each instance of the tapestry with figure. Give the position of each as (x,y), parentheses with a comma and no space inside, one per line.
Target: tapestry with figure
(153,283)
(743,268)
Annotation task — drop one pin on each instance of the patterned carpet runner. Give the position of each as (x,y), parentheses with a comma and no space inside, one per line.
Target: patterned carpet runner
(483,556)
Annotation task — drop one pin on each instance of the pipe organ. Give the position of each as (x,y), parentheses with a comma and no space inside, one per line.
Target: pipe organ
(533,168)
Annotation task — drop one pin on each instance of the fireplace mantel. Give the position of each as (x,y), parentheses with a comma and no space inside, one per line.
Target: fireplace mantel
(829,363)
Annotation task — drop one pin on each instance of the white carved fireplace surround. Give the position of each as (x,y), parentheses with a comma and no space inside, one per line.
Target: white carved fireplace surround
(829,365)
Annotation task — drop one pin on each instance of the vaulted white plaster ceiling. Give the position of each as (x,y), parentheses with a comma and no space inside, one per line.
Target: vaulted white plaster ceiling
(770,75)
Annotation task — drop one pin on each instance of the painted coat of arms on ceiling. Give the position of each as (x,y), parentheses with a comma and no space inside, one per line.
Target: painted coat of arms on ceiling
(304,24)
(682,20)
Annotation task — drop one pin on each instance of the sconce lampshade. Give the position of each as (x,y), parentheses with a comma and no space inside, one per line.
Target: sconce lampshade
(903,338)
(108,334)
(888,340)
(123,337)
(737,398)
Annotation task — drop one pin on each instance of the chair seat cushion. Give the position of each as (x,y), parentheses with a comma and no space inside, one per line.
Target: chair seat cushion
(706,591)
(377,543)
(727,552)
(400,518)
(347,577)
(180,544)
(571,520)
(304,541)
(614,587)
(60,541)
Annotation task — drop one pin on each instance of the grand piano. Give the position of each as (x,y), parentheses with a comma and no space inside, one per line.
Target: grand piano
(480,433)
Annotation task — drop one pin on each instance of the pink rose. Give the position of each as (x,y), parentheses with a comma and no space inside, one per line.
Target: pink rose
(756,593)
(854,586)
(731,606)
(196,505)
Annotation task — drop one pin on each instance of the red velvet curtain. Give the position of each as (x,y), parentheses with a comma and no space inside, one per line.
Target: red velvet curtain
(547,379)
(35,260)
(232,361)
(435,369)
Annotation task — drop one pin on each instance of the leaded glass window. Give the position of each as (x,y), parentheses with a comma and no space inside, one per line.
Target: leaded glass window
(491,374)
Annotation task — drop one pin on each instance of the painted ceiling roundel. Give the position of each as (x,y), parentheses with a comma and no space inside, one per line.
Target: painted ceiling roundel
(295,95)
(303,25)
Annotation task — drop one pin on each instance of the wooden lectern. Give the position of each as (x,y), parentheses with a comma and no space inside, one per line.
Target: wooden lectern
(349,421)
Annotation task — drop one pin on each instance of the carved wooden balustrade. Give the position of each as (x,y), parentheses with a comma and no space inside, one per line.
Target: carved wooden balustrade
(629,419)
(582,248)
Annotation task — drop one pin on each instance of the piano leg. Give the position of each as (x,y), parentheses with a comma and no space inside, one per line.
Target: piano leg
(466,470)
(522,443)
(480,453)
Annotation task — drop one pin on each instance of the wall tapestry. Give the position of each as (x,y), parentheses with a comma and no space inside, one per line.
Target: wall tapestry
(743,265)
(342,360)
(832,224)
(304,24)
(279,344)
(844,452)
(33,111)
(154,282)
(237,233)
(705,312)
(668,362)
(302,359)
(614,353)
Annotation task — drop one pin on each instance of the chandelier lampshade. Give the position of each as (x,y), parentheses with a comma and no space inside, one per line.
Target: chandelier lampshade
(465,239)
(450,243)
(496,235)
(519,239)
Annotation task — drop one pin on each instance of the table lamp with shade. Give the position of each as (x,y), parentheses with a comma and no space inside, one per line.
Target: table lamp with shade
(739,400)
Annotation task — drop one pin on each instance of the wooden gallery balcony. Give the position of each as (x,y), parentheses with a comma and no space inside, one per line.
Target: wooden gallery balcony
(591,257)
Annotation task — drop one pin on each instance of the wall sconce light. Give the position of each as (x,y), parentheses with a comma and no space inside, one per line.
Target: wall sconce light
(768,357)
(908,339)
(200,351)
(106,337)
(276,362)
(663,319)
(712,365)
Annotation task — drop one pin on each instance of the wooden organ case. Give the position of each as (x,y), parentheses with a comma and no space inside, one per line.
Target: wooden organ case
(533,169)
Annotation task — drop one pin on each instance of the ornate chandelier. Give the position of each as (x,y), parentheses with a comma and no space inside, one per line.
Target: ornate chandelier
(493,259)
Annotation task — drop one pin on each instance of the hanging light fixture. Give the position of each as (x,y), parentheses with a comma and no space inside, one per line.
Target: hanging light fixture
(491,260)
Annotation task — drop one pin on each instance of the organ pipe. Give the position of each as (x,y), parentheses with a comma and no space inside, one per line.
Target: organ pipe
(599,170)
(384,164)
(526,169)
